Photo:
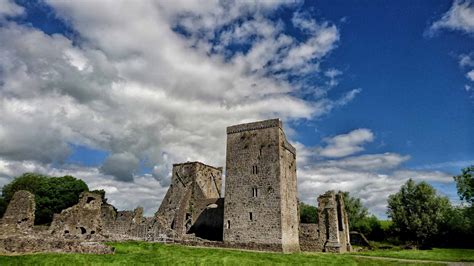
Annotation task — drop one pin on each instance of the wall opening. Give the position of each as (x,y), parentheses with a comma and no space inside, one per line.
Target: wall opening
(255,192)
(251,216)
(228,224)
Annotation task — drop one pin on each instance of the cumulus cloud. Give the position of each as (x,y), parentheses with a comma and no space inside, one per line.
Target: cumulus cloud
(459,17)
(346,144)
(151,86)
(9,8)
(121,165)
(370,177)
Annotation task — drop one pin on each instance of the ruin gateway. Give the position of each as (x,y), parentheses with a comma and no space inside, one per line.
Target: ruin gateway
(259,210)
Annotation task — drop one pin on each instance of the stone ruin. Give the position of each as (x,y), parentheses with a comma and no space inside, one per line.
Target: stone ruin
(331,233)
(18,234)
(193,201)
(20,214)
(259,211)
(81,221)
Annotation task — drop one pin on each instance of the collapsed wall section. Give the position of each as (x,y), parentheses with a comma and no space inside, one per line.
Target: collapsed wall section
(194,186)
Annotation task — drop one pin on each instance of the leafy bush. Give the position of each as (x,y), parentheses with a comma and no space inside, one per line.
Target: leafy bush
(308,214)
(52,194)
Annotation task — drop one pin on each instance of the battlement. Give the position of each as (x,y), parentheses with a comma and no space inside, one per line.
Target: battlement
(197,162)
(254,125)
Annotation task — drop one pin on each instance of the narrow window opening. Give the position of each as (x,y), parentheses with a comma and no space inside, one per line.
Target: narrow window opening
(254,170)
(254,192)
(250,216)
(228,224)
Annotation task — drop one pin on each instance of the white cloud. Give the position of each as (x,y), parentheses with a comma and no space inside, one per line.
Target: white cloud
(470,75)
(134,85)
(9,8)
(346,144)
(459,17)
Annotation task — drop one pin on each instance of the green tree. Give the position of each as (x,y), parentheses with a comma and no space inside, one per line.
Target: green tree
(417,212)
(465,184)
(101,192)
(308,213)
(3,206)
(356,212)
(52,194)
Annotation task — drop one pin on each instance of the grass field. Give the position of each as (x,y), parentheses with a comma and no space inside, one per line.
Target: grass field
(438,254)
(134,253)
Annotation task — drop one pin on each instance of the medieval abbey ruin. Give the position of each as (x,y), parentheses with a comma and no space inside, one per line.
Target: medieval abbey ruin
(259,209)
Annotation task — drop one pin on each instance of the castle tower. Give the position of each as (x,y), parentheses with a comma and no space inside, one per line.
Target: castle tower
(260,204)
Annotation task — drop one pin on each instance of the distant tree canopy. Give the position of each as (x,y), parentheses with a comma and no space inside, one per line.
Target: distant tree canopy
(417,212)
(308,214)
(465,184)
(355,210)
(52,194)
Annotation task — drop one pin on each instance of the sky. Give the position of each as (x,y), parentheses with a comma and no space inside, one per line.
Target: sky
(371,93)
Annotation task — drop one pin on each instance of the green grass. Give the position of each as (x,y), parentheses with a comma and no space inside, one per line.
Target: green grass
(436,254)
(133,253)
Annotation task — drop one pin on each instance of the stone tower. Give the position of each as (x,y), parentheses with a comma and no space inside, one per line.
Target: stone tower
(260,204)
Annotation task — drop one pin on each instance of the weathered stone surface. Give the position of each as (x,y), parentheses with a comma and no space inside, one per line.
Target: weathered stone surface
(12,245)
(81,221)
(333,223)
(261,196)
(309,234)
(20,213)
(192,185)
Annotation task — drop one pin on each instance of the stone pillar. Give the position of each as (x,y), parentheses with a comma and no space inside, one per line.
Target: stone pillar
(328,223)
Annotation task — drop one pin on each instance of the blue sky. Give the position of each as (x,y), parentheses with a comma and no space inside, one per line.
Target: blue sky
(371,92)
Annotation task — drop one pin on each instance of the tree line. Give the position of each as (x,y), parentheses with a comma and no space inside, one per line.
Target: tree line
(418,215)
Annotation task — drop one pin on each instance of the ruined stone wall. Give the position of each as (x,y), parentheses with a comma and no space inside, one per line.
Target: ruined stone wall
(192,184)
(333,223)
(210,216)
(20,213)
(259,194)
(308,237)
(81,221)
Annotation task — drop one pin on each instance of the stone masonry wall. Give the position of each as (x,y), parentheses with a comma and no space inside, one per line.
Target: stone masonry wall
(20,213)
(192,183)
(81,221)
(259,190)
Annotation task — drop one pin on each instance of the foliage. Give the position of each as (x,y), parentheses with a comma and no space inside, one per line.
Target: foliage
(465,184)
(355,210)
(417,212)
(52,194)
(101,192)
(142,253)
(458,229)
(3,206)
(361,221)
(435,254)
(308,213)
